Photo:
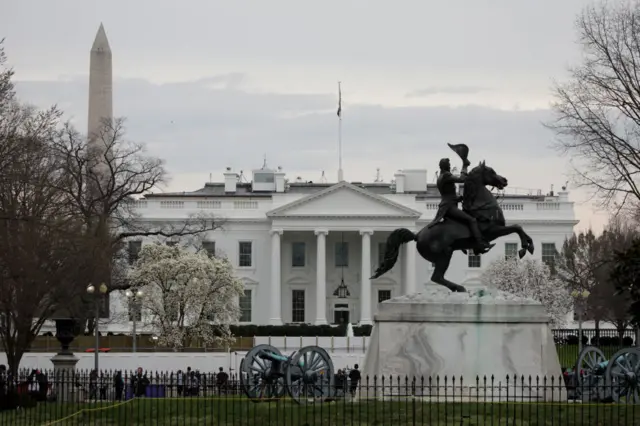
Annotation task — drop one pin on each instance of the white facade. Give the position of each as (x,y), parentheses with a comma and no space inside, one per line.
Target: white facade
(283,239)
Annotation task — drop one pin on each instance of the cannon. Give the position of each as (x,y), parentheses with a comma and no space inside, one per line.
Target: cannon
(596,378)
(306,375)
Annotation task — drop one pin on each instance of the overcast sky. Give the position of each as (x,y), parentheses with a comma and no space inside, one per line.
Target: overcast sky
(209,84)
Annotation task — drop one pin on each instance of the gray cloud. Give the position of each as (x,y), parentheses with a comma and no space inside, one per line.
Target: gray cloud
(450,90)
(199,129)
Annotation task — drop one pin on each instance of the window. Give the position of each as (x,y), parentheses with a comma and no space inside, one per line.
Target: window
(263,177)
(342,254)
(135,311)
(245,307)
(209,247)
(549,254)
(510,250)
(134,251)
(245,258)
(381,251)
(384,295)
(474,260)
(298,255)
(297,306)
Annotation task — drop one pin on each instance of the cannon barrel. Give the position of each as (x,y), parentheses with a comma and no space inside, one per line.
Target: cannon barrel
(271,356)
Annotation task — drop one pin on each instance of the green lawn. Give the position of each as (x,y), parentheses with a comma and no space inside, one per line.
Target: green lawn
(568,354)
(240,411)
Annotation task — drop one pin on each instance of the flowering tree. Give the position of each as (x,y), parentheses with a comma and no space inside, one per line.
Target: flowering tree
(531,279)
(190,297)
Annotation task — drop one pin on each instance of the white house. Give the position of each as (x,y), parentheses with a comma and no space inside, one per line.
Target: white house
(293,243)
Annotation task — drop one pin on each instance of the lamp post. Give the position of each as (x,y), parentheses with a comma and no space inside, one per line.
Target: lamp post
(580,297)
(134,296)
(102,290)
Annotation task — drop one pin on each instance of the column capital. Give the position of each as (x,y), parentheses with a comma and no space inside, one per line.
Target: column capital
(276,231)
(321,231)
(366,231)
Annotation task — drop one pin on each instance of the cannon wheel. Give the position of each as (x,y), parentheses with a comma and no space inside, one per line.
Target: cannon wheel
(623,376)
(258,381)
(310,376)
(590,386)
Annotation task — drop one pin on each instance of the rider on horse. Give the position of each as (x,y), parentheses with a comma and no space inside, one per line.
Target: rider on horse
(448,207)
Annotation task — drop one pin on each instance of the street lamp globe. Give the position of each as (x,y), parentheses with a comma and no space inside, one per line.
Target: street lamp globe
(91,289)
(139,293)
(103,288)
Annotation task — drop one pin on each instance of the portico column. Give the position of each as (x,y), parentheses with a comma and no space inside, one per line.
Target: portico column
(365,284)
(321,276)
(409,277)
(276,279)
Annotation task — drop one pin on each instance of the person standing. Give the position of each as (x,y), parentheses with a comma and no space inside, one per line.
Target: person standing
(354,377)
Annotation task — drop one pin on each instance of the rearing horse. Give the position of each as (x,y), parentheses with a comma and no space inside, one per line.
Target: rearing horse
(437,244)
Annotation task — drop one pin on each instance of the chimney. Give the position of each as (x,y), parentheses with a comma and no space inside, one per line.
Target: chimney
(563,196)
(399,182)
(230,181)
(279,178)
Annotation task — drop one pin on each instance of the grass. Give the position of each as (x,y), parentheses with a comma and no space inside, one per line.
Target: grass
(240,411)
(568,354)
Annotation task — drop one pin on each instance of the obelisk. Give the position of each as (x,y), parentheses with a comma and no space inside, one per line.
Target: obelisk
(100,88)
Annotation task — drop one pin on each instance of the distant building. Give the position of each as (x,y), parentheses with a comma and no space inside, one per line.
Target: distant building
(277,234)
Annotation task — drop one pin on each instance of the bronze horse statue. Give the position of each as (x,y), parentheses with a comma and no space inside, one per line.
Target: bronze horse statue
(438,242)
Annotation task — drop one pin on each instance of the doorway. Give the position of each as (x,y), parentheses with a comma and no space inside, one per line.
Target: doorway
(341,313)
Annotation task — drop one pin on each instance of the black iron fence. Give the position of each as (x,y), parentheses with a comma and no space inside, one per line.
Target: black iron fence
(129,398)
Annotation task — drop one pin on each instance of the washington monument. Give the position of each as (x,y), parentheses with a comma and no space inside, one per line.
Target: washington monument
(100,89)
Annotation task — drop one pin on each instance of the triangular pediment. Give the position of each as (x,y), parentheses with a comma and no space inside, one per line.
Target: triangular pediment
(343,199)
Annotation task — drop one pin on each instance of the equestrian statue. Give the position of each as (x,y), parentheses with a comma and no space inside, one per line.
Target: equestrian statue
(473,228)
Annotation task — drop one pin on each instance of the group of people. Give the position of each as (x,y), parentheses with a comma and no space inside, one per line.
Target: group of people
(352,379)
(189,382)
(36,386)
(99,384)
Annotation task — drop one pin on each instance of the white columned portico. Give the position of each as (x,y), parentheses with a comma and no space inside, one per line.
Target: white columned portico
(409,278)
(365,285)
(321,276)
(276,279)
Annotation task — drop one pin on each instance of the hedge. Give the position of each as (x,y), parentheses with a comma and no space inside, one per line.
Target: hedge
(303,330)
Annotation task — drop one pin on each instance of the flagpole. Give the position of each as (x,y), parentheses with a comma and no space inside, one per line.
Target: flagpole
(340,172)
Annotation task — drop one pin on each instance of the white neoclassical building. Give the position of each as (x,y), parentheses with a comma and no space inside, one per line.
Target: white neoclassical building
(294,243)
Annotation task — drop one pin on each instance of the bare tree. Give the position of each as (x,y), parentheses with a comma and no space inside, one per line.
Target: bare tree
(41,250)
(7,92)
(598,109)
(128,172)
(107,176)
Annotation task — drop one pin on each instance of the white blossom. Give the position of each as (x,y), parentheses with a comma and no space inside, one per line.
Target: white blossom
(531,279)
(188,298)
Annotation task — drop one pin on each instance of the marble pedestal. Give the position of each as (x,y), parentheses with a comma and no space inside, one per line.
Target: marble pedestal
(64,371)
(488,340)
